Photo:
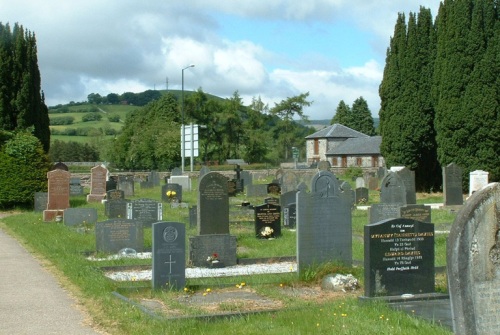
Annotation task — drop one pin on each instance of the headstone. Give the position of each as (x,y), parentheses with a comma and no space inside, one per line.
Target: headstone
(362,195)
(169,255)
(360,182)
(126,184)
(184,181)
(392,189)
(399,258)
(193,216)
(420,213)
(274,188)
(154,178)
(477,179)
(373,183)
(115,234)
(290,216)
(473,258)
(267,221)
(287,198)
(176,172)
(75,186)
(203,246)
(323,166)
(380,212)
(231,188)
(381,172)
(213,205)
(452,185)
(115,195)
(247,178)
(324,225)
(58,194)
(41,199)
(116,208)
(203,171)
(408,178)
(272,200)
(97,184)
(256,190)
(171,193)
(146,184)
(145,211)
(111,183)
(345,187)
(289,182)
(79,216)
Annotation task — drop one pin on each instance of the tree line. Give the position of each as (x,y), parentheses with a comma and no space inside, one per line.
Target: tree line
(440,91)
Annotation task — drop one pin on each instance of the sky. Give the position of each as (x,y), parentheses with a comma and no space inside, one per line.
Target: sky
(272,50)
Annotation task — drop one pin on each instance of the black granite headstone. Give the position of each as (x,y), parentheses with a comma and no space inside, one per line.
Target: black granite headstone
(203,246)
(267,221)
(416,212)
(362,194)
(452,185)
(171,193)
(399,258)
(116,208)
(169,255)
(115,234)
(290,216)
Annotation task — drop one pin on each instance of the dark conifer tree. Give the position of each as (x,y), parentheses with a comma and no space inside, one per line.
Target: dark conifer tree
(343,114)
(362,119)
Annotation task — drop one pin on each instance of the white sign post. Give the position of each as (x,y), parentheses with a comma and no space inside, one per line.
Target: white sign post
(189,144)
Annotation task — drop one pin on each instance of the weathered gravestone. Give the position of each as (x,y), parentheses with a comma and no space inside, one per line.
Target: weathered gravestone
(452,185)
(379,212)
(256,190)
(203,246)
(393,190)
(324,225)
(399,258)
(169,255)
(373,183)
(287,198)
(171,193)
(324,166)
(75,186)
(274,188)
(203,171)
(58,194)
(477,180)
(41,199)
(126,184)
(408,178)
(116,234)
(184,181)
(289,182)
(79,216)
(115,195)
(416,212)
(290,216)
(272,200)
(360,182)
(381,172)
(362,194)
(213,205)
(154,178)
(176,172)
(116,208)
(193,216)
(145,211)
(267,221)
(98,179)
(345,187)
(473,258)
(231,188)
(247,178)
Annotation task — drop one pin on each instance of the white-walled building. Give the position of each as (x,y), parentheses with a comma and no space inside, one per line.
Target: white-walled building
(344,147)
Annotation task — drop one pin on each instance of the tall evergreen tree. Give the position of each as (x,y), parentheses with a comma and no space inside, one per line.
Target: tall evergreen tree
(362,119)
(22,102)
(343,115)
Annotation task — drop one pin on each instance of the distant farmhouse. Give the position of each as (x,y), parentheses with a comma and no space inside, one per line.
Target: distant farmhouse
(344,147)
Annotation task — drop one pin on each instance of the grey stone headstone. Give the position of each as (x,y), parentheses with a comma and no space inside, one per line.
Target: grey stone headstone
(172,188)
(287,198)
(381,172)
(75,186)
(41,199)
(176,172)
(324,225)
(324,166)
(362,195)
(452,185)
(127,185)
(477,180)
(116,208)
(78,216)
(408,178)
(290,216)
(380,212)
(115,195)
(247,178)
(399,258)
(203,171)
(145,211)
(115,234)
(154,178)
(203,246)
(289,182)
(213,205)
(169,255)
(268,215)
(473,258)
(193,216)
(184,181)
(392,189)
(256,190)
(360,182)
(420,213)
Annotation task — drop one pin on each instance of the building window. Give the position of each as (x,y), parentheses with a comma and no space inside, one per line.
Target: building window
(316,146)
(374,161)
(359,161)
(335,161)
(344,162)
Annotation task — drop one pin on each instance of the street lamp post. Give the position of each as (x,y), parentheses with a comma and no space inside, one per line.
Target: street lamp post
(183,154)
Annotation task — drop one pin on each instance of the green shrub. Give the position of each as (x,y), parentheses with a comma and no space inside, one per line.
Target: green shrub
(93,116)
(114,118)
(55,121)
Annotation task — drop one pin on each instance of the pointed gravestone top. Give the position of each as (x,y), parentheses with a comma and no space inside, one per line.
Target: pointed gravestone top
(392,189)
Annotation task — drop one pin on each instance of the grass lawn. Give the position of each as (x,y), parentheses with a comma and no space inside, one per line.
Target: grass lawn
(301,309)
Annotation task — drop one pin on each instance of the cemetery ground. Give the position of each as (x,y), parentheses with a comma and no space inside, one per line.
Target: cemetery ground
(277,303)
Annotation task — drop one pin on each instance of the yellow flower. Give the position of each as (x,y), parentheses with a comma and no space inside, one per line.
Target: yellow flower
(185,289)
(204,293)
(243,284)
(208,290)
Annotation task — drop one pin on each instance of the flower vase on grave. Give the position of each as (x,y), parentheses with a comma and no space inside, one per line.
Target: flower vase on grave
(267,233)
(214,262)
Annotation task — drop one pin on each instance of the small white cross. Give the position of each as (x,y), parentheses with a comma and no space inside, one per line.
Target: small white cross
(170,263)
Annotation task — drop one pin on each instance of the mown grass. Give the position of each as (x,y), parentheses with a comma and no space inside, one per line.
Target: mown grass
(65,249)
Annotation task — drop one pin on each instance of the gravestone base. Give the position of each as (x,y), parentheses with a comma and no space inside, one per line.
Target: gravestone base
(403,298)
(50,214)
(203,246)
(95,197)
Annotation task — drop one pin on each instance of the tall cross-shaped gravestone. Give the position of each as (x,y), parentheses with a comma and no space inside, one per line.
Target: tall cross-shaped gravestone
(169,252)
(324,225)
